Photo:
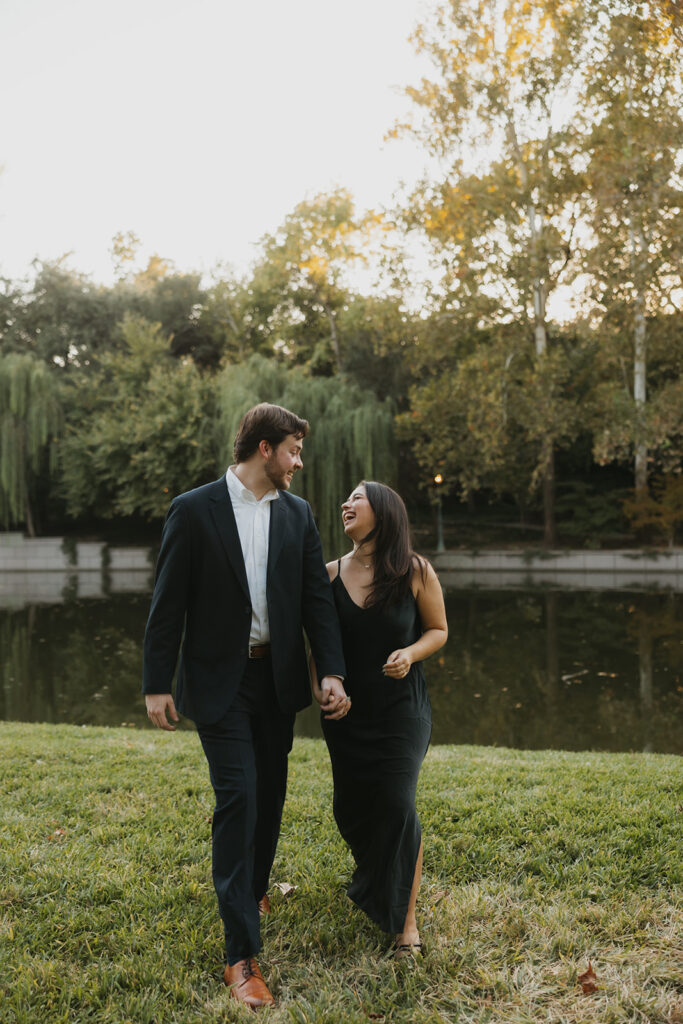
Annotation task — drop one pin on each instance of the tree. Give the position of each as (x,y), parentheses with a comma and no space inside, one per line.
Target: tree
(141,429)
(634,142)
(62,317)
(351,433)
(234,318)
(380,337)
(67,320)
(124,249)
(159,294)
(502,222)
(305,266)
(662,509)
(30,421)
(476,419)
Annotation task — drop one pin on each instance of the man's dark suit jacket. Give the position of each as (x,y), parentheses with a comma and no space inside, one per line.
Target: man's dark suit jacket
(201,589)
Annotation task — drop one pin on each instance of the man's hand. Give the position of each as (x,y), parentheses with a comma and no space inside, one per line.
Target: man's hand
(157,706)
(333,699)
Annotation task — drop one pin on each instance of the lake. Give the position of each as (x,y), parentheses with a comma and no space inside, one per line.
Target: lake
(526,668)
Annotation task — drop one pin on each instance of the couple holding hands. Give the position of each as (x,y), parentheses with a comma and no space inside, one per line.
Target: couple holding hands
(239,578)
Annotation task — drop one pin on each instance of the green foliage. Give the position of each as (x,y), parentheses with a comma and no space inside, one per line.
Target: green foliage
(617,420)
(62,318)
(233,320)
(30,420)
(304,274)
(380,339)
(501,221)
(587,515)
(484,421)
(68,321)
(140,429)
(350,439)
(632,141)
(501,217)
(662,509)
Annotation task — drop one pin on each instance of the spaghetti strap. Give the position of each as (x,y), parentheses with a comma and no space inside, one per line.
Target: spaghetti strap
(339,567)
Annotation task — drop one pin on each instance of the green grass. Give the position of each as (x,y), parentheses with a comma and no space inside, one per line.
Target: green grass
(535,862)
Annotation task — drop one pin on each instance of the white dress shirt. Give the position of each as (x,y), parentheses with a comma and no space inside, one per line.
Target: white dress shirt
(253,522)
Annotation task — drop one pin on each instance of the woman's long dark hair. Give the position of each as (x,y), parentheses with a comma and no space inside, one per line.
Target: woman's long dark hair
(395,560)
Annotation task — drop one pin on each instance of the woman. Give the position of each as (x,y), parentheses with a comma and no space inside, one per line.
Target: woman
(392,616)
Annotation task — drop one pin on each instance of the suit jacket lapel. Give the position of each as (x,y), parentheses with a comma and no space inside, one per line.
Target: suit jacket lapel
(276,532)
(224,518)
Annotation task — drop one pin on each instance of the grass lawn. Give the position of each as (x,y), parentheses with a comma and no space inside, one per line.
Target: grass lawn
(535,862)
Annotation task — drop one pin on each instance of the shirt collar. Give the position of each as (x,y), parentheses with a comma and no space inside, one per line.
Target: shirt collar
(241,493)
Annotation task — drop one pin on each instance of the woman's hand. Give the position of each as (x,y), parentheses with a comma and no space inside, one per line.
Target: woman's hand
(335,701)
(398,664)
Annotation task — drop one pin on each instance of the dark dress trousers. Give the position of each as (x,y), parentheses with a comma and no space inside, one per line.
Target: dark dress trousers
(244,709)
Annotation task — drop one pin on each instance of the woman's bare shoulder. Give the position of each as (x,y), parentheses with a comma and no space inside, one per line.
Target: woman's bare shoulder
(423,573)
(332,569)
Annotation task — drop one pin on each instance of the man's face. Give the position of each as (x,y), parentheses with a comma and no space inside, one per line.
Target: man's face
(283,462)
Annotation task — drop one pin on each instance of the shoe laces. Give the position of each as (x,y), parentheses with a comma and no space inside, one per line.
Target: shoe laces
(249,968)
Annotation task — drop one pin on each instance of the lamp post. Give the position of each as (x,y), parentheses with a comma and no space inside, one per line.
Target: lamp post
(440,546)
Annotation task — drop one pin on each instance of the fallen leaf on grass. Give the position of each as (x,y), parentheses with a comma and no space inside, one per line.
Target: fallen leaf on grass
(376,1016)
(588,980)
(58,834)
(285,888)
(438,896)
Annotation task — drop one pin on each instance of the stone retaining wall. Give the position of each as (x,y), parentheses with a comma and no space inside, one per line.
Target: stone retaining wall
(568,570)
(47,554)
(666,560)
(18,589)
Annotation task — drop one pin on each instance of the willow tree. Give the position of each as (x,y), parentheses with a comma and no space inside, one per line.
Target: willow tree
(500,211)
(634,146)
(351,433)
(30,420)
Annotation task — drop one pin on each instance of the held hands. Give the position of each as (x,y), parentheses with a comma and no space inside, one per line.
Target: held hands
(331,696)
(397,664)
(157,706)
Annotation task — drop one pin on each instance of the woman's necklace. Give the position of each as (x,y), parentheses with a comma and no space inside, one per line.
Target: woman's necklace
(366,565)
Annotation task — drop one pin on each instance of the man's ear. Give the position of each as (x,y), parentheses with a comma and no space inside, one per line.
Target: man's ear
(265,449)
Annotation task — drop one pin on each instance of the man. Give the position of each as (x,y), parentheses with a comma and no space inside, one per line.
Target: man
(240,572)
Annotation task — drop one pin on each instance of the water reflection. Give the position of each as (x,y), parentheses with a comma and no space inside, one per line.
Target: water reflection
(79,661)
(525,669)
(572,671)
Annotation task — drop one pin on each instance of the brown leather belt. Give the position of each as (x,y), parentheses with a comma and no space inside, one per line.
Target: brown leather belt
(259,650)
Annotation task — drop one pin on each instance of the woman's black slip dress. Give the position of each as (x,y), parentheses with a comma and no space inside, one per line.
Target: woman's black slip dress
(376,753)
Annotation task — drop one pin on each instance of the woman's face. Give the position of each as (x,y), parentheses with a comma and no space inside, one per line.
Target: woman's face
(357,515)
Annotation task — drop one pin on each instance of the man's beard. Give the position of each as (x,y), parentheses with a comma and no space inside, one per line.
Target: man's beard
(277,476)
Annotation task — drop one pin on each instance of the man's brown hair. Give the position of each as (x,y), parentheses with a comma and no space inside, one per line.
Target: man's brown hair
(266,422)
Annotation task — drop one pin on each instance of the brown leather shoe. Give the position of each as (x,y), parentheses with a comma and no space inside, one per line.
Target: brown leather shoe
(247,984)
(264,906)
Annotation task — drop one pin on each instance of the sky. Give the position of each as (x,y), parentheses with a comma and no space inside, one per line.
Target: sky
(196,124)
